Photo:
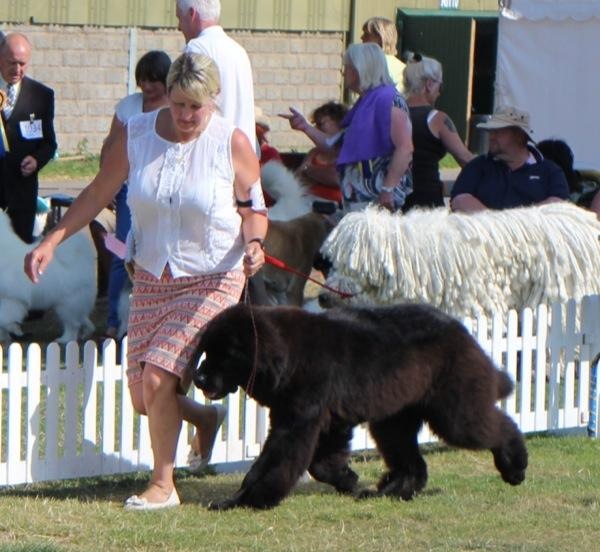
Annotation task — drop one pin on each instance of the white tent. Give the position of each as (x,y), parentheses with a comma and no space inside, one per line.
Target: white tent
(549,65)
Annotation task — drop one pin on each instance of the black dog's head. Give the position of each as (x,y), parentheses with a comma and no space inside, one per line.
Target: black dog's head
(227,353)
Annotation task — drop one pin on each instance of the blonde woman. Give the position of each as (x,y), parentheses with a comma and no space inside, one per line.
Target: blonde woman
(433,132)
(198,221)
(382,31)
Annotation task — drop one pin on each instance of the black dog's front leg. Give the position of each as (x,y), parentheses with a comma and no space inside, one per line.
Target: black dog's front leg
(286,455)
(330,460)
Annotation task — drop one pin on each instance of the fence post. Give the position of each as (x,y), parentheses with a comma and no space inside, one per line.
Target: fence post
(593,428)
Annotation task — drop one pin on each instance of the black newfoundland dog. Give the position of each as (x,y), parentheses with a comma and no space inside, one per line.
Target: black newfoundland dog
(322,374)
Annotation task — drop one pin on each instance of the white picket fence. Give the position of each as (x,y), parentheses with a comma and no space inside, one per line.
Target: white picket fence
(67,413)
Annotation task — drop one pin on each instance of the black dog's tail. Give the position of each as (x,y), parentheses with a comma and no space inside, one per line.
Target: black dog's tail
(505,385)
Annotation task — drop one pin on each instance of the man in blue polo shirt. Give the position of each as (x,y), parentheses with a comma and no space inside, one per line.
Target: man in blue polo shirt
(512,174)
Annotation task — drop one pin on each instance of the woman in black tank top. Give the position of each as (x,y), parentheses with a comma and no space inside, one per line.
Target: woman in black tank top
(433,133)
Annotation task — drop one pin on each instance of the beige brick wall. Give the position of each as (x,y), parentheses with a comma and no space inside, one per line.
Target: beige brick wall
(88,69)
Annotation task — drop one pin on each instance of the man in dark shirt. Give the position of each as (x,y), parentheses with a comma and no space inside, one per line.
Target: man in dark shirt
(512,174)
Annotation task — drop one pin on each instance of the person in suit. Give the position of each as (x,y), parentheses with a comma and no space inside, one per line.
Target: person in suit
(27,118)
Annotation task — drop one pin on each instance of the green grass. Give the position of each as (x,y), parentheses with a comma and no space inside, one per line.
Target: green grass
(448,162)
(86,167)
(71,169)
(465,506)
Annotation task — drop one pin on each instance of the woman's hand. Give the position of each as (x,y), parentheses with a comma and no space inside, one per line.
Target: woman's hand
(386,199)
(296,119)
(254,258)
(37,260)
(299,122)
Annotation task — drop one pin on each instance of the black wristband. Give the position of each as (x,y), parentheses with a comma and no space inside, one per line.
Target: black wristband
(260,241)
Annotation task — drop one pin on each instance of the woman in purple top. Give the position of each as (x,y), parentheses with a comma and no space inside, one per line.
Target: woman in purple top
(375,145)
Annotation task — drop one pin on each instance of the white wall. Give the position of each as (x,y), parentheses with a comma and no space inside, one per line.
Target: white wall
(549,65)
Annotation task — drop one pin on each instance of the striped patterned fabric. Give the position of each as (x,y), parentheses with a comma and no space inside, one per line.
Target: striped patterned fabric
(166,317)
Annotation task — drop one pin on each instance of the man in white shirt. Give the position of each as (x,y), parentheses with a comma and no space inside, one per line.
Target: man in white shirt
(199,23)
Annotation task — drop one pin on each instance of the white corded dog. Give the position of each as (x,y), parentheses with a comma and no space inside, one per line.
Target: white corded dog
(466,264)
(68,286)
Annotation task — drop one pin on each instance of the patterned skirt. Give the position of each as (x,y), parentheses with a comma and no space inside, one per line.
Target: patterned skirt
(167,316)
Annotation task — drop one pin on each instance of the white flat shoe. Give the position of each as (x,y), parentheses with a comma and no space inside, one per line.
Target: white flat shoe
(197,463)
(142,504)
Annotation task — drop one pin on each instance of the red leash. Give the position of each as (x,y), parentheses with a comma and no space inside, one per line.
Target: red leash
(283,266)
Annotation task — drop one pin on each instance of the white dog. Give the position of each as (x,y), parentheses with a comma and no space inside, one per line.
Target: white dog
(466,264)
(68,286)
(291,200)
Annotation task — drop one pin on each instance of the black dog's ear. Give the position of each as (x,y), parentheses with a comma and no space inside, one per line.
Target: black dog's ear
(237,348)
(272,352)
(268,375)
(273,370)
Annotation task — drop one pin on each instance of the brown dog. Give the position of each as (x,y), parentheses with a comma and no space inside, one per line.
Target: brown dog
(296,242)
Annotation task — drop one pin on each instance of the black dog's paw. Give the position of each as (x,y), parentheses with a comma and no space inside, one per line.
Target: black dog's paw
(364,494)
(511,462)
(400,485)
(347,482)
(223,505)
(514,478)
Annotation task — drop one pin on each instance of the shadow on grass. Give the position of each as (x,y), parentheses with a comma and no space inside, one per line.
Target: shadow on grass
(29,548)
(198,489)
(193,488)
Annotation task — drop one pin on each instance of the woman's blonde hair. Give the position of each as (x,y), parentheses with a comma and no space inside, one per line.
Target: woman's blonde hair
(369,61)
(196,76)
(386,31)
(418,69)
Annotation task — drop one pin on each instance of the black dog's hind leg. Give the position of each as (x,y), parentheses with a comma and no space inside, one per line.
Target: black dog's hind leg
(286,454)
(330,461)
(485,428)
(397,440)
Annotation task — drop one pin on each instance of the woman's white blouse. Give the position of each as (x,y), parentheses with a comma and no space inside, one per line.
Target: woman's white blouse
(182,200)
(129,106)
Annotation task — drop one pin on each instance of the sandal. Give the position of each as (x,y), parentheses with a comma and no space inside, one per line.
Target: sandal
(142,504)
(196,462)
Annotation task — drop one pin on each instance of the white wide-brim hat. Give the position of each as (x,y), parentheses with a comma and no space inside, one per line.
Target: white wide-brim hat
(260,118)
(505,117)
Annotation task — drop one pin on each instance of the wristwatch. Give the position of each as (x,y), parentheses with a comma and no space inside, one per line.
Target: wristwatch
(260,241)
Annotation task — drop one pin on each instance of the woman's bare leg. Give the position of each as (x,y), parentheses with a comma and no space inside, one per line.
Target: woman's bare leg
(204,418)
(164,421)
